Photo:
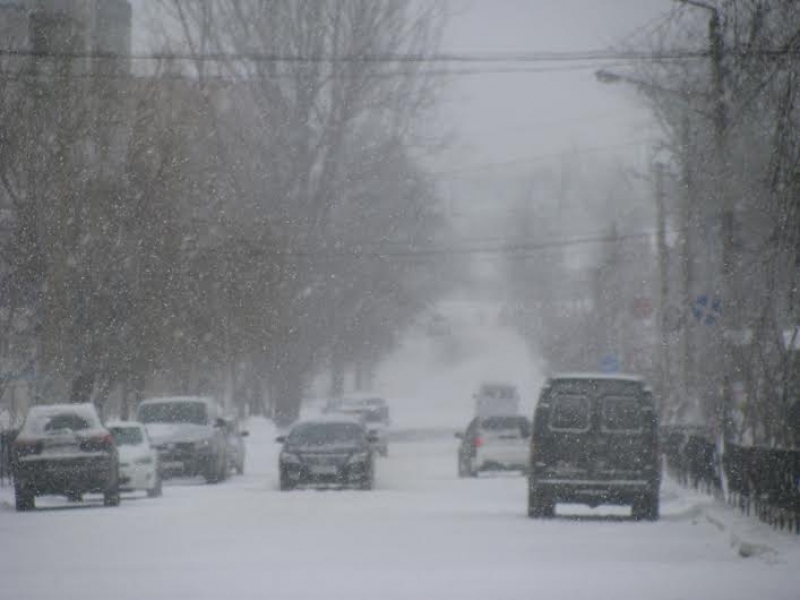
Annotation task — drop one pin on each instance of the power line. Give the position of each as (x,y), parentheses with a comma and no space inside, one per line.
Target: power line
(512,250)
(396,58)
(7,75)
(540,157)
(475,58)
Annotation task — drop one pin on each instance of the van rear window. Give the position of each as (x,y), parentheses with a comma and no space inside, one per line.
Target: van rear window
(569,413)
(620,413)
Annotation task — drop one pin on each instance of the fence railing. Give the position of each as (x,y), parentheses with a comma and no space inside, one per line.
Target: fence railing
(760,481)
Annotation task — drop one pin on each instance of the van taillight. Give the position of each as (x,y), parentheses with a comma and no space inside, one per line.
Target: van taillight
(477,442)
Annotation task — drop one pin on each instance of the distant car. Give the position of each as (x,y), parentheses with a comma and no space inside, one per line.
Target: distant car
(138,459)
(494,443)
(189,435)
(595,441)
(373,413)
(494,399)
(336,451)
(64,449)
(237,450)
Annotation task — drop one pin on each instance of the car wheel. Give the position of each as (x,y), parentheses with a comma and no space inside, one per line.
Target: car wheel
(286,484)
(24,497)
(157,490)
(472,468)
(368,480)
(540,505)
(462,469)
(111,497)
(646,508)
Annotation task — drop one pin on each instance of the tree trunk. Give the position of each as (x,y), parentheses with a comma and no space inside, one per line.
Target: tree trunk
(82,387)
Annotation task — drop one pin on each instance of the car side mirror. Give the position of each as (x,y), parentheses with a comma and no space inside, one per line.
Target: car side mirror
(281,439)
(459,435)
(244,433)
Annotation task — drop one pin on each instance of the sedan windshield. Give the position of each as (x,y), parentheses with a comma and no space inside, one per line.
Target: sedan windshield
(320,434)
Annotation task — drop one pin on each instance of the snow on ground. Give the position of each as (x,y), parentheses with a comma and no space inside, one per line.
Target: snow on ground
(423,533)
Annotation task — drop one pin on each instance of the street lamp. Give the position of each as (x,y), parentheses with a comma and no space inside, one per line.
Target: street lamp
(610,77)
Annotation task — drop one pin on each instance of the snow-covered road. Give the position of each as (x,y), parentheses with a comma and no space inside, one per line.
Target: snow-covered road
(423,533)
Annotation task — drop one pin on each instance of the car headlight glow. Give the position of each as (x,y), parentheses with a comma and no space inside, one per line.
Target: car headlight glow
(359,457)
(290,458)
(202,444)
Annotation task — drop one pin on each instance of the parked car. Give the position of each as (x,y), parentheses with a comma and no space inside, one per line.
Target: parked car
(335,451)
(237,450)
(138,459)
(595,441)
(494,443)
(189,435)
(373,412)
(64,449)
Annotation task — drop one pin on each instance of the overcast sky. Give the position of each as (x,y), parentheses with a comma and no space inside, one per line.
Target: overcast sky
(500,117)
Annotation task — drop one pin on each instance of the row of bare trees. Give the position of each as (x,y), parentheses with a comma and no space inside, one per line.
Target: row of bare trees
(223,222)
(732,124)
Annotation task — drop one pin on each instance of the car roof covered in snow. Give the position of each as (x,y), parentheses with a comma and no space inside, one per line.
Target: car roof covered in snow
(332,419)
(117,424)
(596,376)
(204,399)
(86,411)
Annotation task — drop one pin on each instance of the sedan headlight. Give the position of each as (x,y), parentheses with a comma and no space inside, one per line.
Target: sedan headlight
(145,460)
(203,444)
(359,457)
(288,457)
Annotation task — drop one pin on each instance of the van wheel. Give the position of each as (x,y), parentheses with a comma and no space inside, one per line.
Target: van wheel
(24,498)
(286,484)
(157,490)
(540,505)
(646,508)
(111,497)
(463,470)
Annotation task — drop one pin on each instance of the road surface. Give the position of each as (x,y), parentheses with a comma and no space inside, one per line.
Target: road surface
(423,533)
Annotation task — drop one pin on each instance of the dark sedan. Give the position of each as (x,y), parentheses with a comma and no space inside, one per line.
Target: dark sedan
(64,449)
(327,452)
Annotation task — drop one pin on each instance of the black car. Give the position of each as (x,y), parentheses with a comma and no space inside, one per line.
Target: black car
(333,452)
(64,449)
(595,441)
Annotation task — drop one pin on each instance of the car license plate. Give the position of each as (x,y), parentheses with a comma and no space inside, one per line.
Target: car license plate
(324,470)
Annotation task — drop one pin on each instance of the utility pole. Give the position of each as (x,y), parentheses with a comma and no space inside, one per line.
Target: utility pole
(686,264)
(725,211)
(662,353)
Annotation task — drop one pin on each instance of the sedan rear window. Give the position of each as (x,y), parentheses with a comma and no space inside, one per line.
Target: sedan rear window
(570,413)
(621,413)
(515,424)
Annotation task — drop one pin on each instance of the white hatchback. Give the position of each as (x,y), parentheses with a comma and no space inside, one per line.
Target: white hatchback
(138,459)
(494,443)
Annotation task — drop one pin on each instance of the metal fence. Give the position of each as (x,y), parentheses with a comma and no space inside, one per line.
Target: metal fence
(761,481)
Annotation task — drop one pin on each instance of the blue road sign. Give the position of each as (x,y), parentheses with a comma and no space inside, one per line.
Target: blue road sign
(707,310)
(609,364)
